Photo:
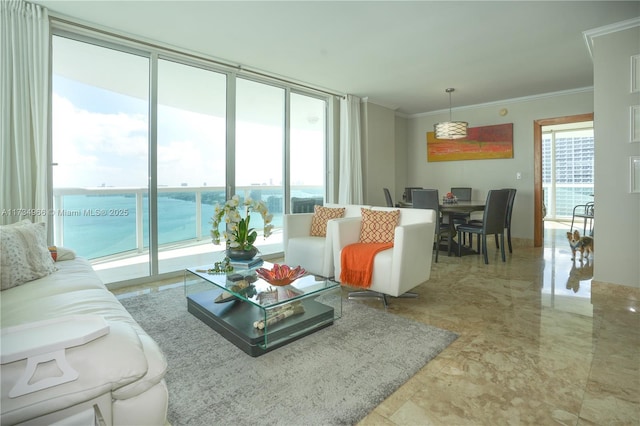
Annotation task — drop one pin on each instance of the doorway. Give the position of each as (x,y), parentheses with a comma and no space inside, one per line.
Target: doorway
(538,230)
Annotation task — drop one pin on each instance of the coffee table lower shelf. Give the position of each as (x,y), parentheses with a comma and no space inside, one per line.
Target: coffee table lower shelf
(234,321)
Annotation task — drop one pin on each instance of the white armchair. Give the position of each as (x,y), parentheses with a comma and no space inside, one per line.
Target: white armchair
(315,254)
(398,269)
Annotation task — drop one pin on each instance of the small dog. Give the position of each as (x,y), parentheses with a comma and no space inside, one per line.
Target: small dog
(581,244)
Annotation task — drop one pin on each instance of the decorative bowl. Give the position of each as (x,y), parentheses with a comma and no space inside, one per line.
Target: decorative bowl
(280,275)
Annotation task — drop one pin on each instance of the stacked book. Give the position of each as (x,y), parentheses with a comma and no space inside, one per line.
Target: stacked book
(246,264)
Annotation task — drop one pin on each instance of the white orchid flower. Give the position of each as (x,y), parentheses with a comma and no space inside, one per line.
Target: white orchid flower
(232,213)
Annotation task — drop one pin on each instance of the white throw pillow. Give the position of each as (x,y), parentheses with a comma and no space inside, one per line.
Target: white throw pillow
(65,254)
(24,255)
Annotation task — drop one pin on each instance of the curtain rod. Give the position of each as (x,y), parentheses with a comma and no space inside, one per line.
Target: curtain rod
(238,68)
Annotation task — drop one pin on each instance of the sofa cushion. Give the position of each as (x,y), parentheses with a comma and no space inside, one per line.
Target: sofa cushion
(378,226)
(321,216)
(24,254)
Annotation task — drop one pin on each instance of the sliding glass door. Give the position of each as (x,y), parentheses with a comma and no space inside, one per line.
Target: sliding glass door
(307,167)
(100,152)
(146,142)
(191,158)
(567,168)
(260,131)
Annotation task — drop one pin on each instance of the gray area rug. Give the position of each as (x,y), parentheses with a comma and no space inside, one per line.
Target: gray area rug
(335,376)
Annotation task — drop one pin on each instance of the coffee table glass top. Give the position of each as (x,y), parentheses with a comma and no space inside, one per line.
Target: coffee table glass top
(244,284)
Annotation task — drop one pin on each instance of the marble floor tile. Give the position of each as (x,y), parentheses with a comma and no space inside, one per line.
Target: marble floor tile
(534,349)
(537,344)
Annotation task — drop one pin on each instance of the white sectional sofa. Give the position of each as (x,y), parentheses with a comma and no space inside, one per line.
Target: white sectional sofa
(120,373)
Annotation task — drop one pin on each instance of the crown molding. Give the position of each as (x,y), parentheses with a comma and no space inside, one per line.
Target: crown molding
(367,99)
(507,101)
(589,35)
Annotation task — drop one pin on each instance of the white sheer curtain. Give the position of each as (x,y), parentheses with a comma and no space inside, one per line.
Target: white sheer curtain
(350,187)
(24,105)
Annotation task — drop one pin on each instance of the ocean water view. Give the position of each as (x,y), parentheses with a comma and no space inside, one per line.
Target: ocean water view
(96,225)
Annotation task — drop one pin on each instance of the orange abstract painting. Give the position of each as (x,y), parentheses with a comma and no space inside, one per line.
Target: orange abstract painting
(481,143)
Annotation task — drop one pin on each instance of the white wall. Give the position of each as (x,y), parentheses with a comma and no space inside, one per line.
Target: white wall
(617,212)
(379,157)
(401,158)
(483,175)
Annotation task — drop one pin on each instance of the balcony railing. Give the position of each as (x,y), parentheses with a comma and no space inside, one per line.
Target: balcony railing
(105,221)
(561,199)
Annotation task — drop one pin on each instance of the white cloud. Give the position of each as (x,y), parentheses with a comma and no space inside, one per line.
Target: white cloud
(95,148)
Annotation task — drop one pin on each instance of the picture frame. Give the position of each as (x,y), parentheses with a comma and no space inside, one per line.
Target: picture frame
(634,174)
(482,143)
(634,123)
(635,73)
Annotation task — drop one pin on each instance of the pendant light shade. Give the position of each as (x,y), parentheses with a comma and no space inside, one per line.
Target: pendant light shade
(450,129)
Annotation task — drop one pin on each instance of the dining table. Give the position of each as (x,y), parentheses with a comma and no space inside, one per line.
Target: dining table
(448,210)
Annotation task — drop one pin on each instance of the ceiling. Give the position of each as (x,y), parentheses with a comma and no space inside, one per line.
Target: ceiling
(402,55)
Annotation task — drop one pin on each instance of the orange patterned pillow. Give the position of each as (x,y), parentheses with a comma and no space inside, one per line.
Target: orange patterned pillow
(378,226)
(322,215)
(54,253)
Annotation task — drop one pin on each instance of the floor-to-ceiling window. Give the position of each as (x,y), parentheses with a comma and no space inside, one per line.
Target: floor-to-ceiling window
(196,132)
(307,168)
(190,155)
(567,167)
(260,144)
(100,151)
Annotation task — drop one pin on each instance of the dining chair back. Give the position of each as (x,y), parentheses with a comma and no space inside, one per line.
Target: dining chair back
(387,197)
(408,193)
(305,205)
(462,194)
(507,224)
(428,199)
(493,222)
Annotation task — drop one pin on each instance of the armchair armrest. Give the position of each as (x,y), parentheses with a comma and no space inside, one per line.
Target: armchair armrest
(411,242)
(296,225)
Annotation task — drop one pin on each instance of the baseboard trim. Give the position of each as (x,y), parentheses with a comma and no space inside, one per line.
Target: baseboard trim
(618,291)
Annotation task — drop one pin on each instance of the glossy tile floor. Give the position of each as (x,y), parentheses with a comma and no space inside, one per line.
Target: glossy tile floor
(537,345)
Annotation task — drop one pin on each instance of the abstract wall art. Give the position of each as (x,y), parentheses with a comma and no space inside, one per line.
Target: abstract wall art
(481,143)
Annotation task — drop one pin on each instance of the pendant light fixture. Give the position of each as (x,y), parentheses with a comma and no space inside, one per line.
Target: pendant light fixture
(451,129)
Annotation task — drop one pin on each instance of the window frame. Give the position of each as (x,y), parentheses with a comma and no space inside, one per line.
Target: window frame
(155,52)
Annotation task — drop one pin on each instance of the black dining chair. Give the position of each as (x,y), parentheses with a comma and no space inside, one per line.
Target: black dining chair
(428,199)
(407,193)
(387,197)
(507,223)
(493,222)
(462,194)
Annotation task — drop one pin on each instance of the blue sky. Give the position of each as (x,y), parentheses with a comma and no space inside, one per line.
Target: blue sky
(100,137)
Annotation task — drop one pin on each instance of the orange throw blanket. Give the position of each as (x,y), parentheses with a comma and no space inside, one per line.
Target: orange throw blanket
(357,263)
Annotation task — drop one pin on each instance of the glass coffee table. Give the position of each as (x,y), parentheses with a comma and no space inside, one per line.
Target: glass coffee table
(256,316)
